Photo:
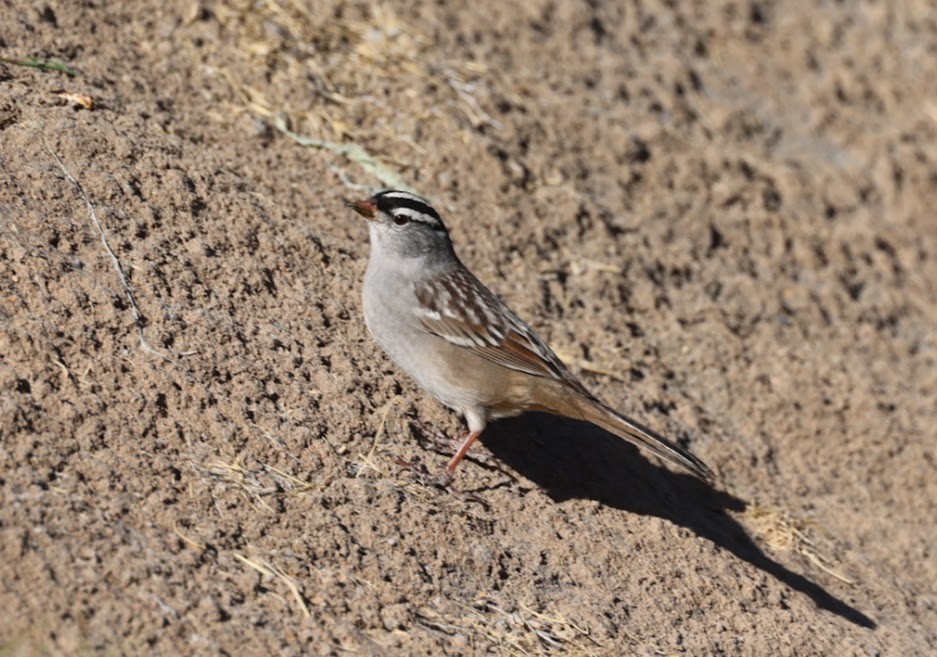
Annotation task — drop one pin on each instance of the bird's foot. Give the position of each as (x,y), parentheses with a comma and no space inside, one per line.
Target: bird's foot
(441,480)
(443,443)
(422,474)
(437,438)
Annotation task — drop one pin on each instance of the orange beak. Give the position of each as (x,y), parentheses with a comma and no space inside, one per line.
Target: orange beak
(366,208)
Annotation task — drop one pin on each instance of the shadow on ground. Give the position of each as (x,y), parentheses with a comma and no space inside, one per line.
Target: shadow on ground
(570,459)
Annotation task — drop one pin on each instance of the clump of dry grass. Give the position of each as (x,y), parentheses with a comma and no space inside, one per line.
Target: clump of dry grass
(520,631)
(782,532)
(339,58)
(269,570)
(344,80)
(255,483)
(339,63)
(411,479)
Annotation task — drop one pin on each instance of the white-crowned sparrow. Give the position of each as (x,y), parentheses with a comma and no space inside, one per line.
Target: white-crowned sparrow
(461,343)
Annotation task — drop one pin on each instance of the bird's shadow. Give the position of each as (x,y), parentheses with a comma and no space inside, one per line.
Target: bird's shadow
(576,460)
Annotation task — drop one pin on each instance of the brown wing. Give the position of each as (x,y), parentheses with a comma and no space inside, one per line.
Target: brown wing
(460,309)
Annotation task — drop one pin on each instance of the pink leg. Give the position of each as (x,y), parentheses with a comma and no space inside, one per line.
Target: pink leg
(463,450)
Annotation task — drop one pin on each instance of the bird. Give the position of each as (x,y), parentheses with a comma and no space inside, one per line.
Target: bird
(462,344)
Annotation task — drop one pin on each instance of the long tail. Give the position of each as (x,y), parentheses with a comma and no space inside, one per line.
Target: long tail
(635,432)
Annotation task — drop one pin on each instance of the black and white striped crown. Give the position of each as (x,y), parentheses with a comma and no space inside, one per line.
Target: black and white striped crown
(402,204)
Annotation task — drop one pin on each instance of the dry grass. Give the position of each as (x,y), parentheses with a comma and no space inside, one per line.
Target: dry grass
(520,631)
(119,268)
(337,58)
(352,152)
(344,60)
(256,483)
(325,81)
(367,461)
(390,470)
(782,532)
(269,570)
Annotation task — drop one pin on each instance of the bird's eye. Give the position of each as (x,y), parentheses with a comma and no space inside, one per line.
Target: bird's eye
(401,220)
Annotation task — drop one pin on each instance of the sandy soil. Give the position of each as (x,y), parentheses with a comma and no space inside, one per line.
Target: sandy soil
(720,214)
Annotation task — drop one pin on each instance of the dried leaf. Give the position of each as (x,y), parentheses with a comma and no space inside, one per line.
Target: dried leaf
(82,100)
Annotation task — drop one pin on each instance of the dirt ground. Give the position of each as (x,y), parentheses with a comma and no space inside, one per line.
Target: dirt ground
(721,215)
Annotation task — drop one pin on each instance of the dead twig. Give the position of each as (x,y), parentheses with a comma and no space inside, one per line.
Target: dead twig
(523,632)
(118,267)
(353,152)
(266,568)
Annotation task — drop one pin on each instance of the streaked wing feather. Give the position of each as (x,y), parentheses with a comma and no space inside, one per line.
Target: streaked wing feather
(456,332)
(517,357)
(481,322)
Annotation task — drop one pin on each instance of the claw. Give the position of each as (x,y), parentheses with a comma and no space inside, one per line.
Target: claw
(442,480)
